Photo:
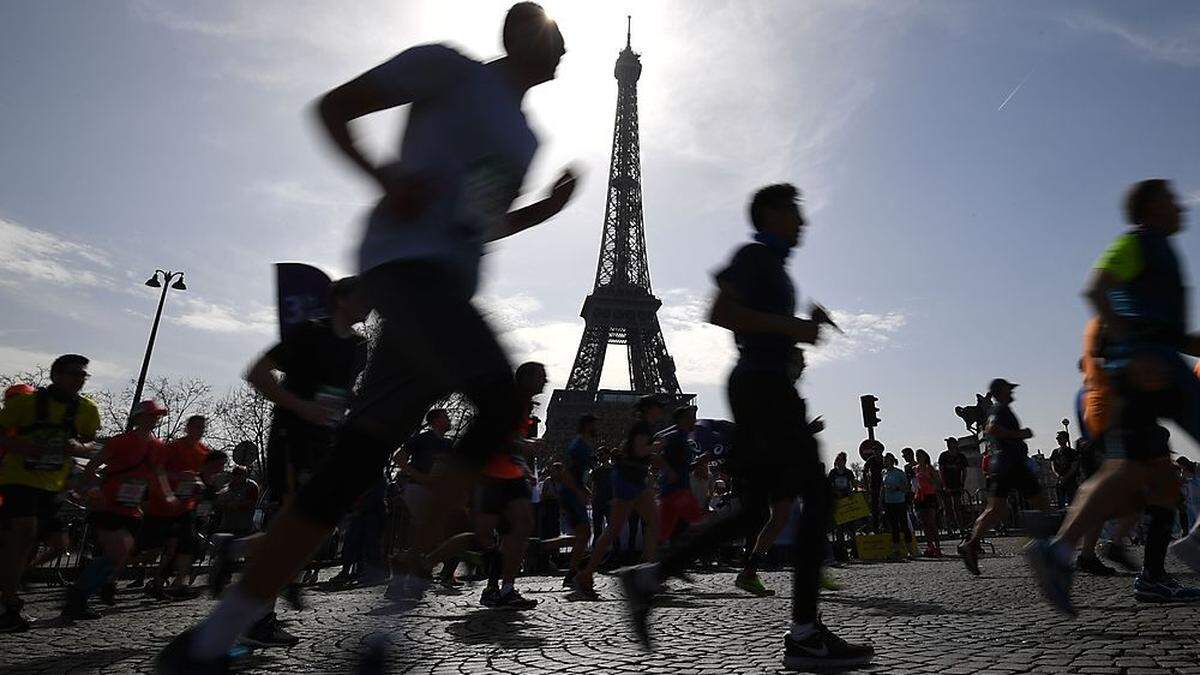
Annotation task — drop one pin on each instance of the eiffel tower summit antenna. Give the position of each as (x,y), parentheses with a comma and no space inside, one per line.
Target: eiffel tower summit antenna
(621,309)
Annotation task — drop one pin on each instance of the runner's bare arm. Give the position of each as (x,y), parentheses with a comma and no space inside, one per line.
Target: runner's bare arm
(357,98)
(261,376)
(540,211)
(728,312)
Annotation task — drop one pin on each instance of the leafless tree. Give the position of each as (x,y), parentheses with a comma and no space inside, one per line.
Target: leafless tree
(38,376)
(242,414)
(182,397)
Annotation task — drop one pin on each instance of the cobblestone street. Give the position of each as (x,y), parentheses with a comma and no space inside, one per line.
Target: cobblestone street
(923,617)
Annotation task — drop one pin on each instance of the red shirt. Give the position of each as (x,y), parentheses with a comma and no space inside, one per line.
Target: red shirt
(181,459)
(507,464)
(128,473)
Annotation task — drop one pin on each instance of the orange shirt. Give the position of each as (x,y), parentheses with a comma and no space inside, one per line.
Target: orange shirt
(128,473)
(1098,393)
(181,459)
(506,464)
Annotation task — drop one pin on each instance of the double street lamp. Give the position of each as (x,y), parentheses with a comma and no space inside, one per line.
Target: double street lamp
(169,280)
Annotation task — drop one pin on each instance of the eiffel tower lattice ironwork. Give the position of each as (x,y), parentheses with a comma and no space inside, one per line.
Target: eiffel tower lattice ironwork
(621,309)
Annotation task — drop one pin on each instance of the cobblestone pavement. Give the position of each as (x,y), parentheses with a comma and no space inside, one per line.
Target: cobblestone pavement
(923,617)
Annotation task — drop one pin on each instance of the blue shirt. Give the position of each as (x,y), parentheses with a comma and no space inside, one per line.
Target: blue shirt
(895,486)
(579,461)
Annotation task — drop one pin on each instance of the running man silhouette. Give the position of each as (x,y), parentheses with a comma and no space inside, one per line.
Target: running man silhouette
(463,158)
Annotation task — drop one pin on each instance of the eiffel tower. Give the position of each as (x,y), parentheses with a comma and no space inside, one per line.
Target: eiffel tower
(621,309)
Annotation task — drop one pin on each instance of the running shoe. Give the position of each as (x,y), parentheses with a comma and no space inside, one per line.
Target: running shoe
(569,580)
(828,581)
(294,596)
(1162,589)
(176,659)
(1053,575)
(640,582)
(1187,549)
(822,649)
(1091,564)
(155,591)
(970,557)
(266,632)
(489,596)
(513,600)
(751,583)
(139,579)
(1119,555)
(76,607)
(108,594)
(13,620)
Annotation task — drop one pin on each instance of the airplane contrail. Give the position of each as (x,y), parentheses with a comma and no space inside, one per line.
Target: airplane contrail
(1017,88)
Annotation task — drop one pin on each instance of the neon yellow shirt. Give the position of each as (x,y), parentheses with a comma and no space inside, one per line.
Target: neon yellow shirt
(21,412)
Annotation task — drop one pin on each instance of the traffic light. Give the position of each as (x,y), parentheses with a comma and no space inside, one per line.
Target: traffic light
(870,411)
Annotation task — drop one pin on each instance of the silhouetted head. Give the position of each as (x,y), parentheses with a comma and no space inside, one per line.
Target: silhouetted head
(840,460)
(922,457)
(775,209)
(533,42)
(951,443)
(69,372)
(531,378)
(1001,391)
(348,302)
(195,427)
(1152,204)
(889,460)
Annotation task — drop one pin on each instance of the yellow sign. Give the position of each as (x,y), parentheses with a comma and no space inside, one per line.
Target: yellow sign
(878,546)
(850,509)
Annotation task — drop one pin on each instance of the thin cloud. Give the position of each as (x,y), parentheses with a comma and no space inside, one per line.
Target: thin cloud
(16,359)
(217,318)
(27,254)
(1178,45)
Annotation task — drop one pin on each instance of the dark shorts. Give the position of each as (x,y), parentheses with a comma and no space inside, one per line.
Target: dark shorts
(925,503)
(22,501)
(157,531)
(432,341)
(768,482)
(1136,433)
(495,494)
(103,520)
(573,509)
(1014,477)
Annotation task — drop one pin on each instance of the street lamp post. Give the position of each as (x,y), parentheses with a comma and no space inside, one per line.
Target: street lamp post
(153,282)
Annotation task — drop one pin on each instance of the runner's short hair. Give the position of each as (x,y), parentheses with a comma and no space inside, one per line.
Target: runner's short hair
(195,418)
(68,361)
(516,22)
(525,369)
(1139,196)
(778,196)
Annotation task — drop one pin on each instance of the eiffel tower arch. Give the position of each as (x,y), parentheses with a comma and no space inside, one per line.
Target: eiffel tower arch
(621,310)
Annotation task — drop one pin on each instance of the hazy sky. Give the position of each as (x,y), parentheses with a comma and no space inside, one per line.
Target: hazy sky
(962,165)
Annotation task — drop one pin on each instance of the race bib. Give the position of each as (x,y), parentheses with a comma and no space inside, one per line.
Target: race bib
(131,493)
(52,457)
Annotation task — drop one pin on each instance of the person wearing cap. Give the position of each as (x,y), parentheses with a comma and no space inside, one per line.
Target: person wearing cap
(128,471)
(580,462)
(43,431)
(676,502)
(1010,469)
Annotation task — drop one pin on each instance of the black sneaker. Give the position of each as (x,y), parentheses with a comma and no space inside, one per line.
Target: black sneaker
(1090,564)
(569,580)
(108,594)
(641,584)
(153,590)
(970,557)
(176,659)
(294,596)
(489,596)
(513,600)
(266,632)
(12,620)
(76,607)
(139,579)
(1119,555)
(823,649)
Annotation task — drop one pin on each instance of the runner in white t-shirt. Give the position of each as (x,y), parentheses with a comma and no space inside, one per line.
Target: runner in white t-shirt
(463,158)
